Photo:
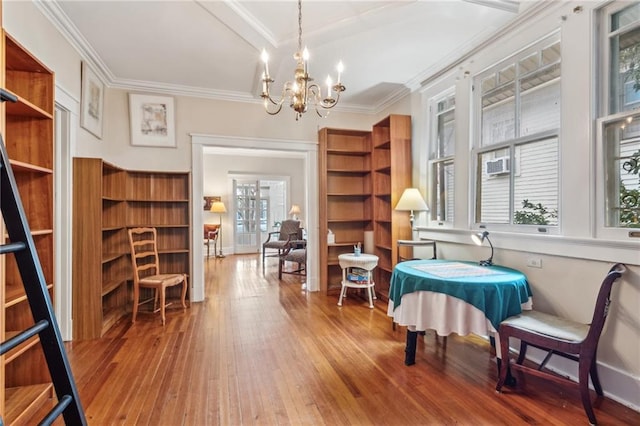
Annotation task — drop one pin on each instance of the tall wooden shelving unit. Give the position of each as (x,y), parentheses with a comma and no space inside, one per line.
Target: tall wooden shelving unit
(391,175)
(27,128)
(345,198)
(362,176)
(107,201)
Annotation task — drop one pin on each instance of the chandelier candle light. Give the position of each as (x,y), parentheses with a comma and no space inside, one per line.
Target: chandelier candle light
(300,92)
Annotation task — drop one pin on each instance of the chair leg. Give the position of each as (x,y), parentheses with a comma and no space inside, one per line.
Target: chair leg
(184,292)
(594,377)
(136,300)
(523,352)
(162,304)
(584,367)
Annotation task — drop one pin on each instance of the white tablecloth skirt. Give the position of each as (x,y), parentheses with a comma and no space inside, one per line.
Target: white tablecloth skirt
(427,310)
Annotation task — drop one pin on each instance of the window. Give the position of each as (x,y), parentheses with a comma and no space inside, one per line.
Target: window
(622,151)
(619,125)
(517,148)
(441,157)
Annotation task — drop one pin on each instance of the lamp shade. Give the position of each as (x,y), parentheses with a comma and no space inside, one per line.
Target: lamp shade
(479,238)
(295,209)
(218,207)
(411,200)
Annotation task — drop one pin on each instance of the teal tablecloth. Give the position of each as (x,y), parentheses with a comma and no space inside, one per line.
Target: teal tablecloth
(496,290)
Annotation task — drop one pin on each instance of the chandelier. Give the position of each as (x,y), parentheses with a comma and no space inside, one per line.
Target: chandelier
(300,92)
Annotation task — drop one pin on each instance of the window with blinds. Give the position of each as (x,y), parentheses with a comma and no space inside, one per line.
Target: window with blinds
(517,151)
(441,157)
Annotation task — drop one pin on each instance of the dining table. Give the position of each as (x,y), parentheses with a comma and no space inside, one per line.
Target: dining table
(454,296)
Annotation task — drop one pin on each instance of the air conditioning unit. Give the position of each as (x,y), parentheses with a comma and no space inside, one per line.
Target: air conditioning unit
(497,166)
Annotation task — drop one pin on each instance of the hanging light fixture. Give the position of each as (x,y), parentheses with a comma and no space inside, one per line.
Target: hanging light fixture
(300,92)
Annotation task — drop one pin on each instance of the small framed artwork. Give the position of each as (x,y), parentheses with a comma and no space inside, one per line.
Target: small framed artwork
(208,201)
(91,101)
(152,120)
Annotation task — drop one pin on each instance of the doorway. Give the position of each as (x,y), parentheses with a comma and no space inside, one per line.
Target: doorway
(305,150)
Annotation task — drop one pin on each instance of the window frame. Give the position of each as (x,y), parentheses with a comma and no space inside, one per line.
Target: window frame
(606,117)
(433,159)
(477,148)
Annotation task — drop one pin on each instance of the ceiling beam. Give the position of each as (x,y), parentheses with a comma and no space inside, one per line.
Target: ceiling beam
(506,5)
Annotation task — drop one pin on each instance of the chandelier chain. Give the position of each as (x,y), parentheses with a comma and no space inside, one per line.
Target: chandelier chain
(299,25)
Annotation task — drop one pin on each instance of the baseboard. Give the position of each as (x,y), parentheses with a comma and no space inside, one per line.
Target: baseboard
(617,385)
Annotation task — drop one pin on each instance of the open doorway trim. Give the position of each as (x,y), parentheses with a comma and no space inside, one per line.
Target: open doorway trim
(308,150)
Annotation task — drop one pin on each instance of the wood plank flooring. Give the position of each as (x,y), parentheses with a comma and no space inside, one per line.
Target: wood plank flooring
(259,351)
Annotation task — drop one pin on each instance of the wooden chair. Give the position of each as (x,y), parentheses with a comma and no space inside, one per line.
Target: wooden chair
(146,271)
(289,231)
(563,337)
(211,237)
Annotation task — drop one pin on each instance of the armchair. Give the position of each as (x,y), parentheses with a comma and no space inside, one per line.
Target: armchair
(279,240)
(295,252)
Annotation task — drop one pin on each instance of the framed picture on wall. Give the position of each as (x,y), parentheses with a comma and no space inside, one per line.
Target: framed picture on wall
(91,101)
(152,120)
(208,201)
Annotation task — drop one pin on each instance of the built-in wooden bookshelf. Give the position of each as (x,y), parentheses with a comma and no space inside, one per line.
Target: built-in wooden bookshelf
(345,198)
(391,140)
(362,176)
(27,129)
(107,201)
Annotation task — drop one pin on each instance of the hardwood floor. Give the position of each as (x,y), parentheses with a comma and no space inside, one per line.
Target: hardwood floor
(262,351)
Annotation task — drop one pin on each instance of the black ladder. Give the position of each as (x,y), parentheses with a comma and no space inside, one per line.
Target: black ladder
(45,325)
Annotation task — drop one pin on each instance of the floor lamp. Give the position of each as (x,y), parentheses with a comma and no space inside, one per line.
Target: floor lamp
(218,207)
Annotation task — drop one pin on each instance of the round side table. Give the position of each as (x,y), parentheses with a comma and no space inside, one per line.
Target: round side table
(366,262)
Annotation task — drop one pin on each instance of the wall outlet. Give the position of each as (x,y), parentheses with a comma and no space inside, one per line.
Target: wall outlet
(534,262)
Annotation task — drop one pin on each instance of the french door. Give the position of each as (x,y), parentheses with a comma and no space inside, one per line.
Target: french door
(247,207)
(260,205)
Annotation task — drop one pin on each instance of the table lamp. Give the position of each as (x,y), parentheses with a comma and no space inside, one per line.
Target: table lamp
(295,211)
(479,239)
(411,201)
(218,207)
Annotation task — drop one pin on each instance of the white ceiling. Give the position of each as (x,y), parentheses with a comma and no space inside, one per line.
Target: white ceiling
(211,48)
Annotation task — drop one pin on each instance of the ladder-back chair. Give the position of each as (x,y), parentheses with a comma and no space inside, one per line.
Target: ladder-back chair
(146,271)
